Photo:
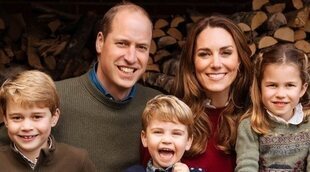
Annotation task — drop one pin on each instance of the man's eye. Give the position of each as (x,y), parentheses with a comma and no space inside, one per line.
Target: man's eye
(142,48)
(122,44)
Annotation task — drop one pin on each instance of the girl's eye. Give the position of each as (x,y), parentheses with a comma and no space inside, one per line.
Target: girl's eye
(271,85)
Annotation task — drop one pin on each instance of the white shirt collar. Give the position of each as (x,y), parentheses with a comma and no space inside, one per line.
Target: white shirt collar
(296,119)
(208,104)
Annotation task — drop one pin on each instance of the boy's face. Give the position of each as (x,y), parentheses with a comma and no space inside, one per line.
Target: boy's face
(29,127)
(166,142)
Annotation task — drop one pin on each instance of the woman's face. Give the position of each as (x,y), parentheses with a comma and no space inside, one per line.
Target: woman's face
(216,61)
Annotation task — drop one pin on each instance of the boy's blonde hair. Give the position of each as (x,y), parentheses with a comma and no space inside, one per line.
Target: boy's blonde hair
(168,108)
(29,88)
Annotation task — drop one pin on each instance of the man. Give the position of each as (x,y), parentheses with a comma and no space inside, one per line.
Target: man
(102,108)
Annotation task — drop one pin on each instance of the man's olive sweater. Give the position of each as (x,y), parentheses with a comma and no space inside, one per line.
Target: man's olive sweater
(109,130)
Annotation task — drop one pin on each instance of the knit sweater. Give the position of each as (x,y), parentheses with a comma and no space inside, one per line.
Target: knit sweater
(109,130)
(60,157)
(285,148)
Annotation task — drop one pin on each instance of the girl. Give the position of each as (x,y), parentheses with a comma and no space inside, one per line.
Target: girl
(275,135)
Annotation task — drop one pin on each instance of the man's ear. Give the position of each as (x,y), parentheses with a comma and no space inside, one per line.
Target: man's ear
(144,138)
(99,42)
(55,117)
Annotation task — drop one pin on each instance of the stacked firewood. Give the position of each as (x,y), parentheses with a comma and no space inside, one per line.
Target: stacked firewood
(48,40)
(269,22)
(62,44)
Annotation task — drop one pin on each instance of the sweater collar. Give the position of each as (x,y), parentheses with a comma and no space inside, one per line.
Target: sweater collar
(31,163)
(296,119)
(94,79)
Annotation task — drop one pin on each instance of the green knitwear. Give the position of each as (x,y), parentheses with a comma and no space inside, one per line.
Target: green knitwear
(109,130)
(286,148)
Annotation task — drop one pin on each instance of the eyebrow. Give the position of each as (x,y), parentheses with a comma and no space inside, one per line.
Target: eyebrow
(206,48)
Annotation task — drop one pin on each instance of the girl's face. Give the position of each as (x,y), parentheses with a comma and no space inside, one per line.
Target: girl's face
(216,62)
(282,88)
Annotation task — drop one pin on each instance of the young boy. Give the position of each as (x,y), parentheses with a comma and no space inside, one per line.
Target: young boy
(29,105)
(167,133)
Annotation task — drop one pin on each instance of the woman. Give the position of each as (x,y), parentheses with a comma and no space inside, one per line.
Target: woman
(214,79)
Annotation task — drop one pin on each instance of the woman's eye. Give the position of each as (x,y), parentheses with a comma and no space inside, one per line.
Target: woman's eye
(203,54)
(226,53)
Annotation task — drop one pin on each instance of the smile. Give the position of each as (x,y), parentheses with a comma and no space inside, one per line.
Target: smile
(166,153)
(28,137)
(280,103)
(216,76)
(127,69)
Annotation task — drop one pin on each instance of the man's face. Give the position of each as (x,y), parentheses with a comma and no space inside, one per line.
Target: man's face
(124,52)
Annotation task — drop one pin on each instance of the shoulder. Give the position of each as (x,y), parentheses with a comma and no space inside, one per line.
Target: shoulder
(71,81)
(144,89)
(70,150)
(136,168)
(145,93)
(4,148)
(70,153)
(245,123)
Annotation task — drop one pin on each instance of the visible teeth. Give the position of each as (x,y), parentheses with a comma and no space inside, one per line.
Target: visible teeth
(27,137)
(126,69)
(216,76)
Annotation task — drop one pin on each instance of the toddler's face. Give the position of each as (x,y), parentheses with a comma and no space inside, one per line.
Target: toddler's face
(166,142)
(29,127)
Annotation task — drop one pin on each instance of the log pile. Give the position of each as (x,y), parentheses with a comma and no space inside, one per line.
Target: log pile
(48,40)
(62,44)
(269,22)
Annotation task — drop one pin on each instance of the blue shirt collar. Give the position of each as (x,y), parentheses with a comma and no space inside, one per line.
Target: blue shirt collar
(94,79)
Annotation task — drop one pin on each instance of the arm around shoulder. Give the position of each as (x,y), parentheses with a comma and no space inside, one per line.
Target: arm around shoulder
(247,148)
